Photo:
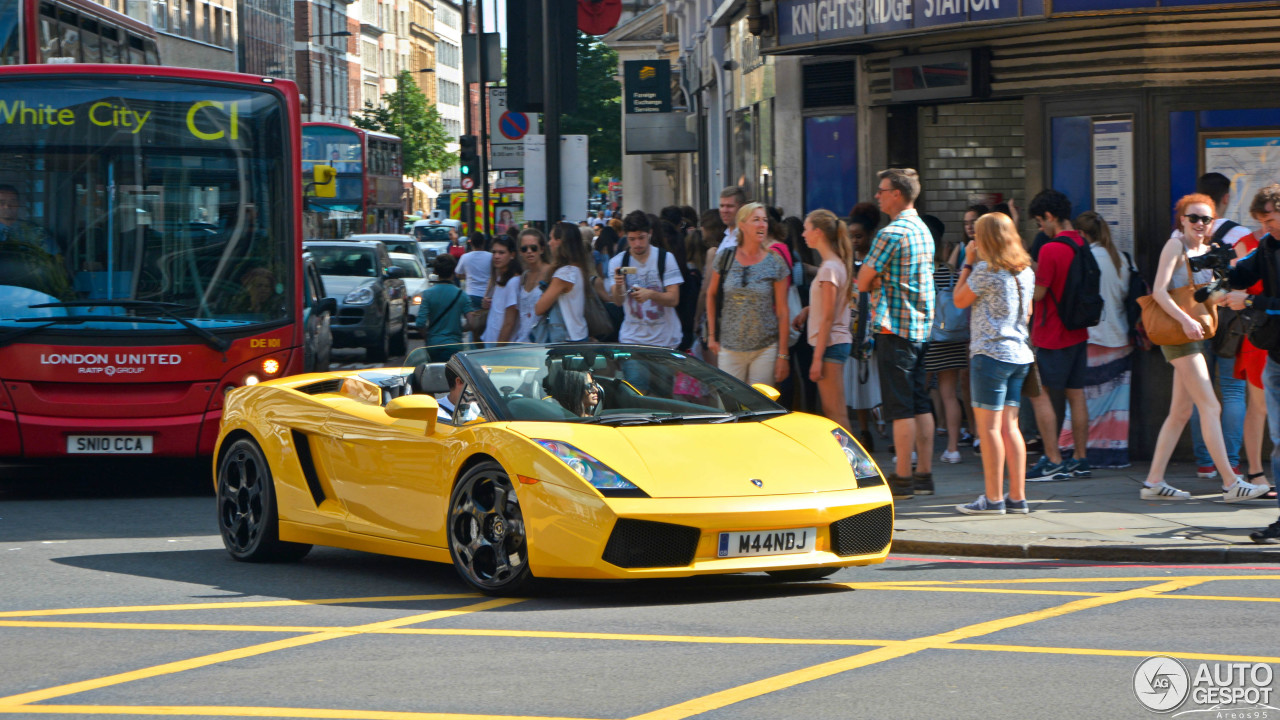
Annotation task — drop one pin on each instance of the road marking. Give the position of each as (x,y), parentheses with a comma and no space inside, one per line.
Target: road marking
(241,653)
(234,711)
(237,605)
(724,698)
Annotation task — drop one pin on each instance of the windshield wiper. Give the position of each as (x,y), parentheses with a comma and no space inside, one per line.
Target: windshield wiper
(163,308)
(746,414)
(648,419)
(49,322)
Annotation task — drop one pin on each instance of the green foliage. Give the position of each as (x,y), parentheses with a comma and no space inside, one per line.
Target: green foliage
(407,114)
(599,113)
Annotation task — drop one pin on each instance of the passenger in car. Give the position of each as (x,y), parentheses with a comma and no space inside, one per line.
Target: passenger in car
(577,391)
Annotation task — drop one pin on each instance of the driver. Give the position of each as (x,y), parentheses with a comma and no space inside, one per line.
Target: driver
(577,391)
(449,403)
(29,256)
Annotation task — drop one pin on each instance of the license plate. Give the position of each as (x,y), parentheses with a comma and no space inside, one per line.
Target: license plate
(767,542)
(109,444)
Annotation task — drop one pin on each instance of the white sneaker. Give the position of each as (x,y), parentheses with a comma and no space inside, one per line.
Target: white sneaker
(950,457)
(1241,490)
(1163,491)
(913,458)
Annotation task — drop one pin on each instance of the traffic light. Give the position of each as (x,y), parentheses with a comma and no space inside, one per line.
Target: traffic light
(469,158)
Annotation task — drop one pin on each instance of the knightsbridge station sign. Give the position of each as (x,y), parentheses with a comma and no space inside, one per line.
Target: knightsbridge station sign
(804,22)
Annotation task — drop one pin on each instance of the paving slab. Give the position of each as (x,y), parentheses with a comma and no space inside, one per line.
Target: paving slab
(1096,518)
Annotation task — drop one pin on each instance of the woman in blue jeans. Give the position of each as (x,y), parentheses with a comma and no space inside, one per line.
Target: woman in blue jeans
(998,283)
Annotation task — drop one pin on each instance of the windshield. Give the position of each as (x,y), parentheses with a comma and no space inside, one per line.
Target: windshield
(612,385)
(351,262)
(433,247)
(123,196)
(410,264)
(341,149)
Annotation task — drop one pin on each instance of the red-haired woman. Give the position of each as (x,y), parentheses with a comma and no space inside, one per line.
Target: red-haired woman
(1192,386)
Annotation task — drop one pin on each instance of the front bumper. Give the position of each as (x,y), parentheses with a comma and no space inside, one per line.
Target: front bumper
(356,325)
(575,536)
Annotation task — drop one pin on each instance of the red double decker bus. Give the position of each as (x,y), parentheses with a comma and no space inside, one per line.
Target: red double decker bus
(35,32)
(150,254)
(369,193)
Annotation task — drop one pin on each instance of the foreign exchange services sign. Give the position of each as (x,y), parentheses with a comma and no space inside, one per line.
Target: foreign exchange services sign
(647,86)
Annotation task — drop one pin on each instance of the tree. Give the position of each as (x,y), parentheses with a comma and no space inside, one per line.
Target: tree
(599,113)
(407,114)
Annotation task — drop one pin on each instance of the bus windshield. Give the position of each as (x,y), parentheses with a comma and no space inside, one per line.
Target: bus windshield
(133,204)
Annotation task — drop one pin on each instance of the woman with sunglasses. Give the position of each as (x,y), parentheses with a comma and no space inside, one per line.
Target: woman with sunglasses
(533,253)
(1192,386)
(748,327)
(566,291)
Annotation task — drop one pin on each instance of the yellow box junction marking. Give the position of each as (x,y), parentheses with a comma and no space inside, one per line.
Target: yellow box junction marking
(881,650)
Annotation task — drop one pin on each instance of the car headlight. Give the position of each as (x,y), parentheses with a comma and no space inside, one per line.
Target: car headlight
(359,296)
(417,299)
(596,473)
(863,467)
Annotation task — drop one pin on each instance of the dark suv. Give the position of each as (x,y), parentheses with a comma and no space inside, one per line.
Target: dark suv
(373,306)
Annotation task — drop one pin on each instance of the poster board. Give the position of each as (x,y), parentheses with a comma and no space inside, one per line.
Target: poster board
(1249,159)
(1113,176)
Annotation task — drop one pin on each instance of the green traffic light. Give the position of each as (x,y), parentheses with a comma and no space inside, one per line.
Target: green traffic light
(465,169)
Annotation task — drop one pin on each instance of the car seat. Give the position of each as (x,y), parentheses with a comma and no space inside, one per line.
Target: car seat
(429,379)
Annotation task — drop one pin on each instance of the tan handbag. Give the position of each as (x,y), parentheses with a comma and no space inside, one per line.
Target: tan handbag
(1163,329)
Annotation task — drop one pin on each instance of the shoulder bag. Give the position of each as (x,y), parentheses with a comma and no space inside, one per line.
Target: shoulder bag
(475,321)
(1162,328)
(599,323)
(950,323)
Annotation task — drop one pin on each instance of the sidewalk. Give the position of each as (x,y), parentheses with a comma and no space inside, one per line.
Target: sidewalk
(1097,518)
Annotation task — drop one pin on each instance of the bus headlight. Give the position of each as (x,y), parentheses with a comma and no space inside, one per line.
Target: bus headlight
(250,380)
(359,296)
(271,366)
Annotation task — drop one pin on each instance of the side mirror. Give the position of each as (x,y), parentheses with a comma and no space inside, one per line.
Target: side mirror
(767,391)
(415,407)
(396,272)
(326,305)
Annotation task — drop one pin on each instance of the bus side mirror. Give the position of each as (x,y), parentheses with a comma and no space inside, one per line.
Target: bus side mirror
(325,181)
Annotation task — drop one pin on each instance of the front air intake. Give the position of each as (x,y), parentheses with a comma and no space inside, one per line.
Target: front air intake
(648,544)
(324,386)
(863,534)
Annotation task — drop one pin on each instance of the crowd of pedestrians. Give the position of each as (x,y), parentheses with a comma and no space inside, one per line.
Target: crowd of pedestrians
(879,318)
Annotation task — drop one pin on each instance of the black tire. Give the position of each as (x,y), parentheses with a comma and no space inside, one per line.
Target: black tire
(399,344)
(487,538)
(247,515)
(380,350)
(802,574)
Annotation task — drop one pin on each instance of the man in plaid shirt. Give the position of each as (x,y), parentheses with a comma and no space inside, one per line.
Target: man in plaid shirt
(901,265)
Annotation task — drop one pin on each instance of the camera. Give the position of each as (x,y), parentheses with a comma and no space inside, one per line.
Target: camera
(1218,259)
(629,270)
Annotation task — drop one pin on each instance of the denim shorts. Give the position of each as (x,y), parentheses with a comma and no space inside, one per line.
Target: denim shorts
(994,384)
(838,353)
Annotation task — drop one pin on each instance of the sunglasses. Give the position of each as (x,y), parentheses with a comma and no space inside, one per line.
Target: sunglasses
(530,248)
(1206,219)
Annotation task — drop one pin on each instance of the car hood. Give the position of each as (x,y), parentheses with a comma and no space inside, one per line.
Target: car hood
(692,461)
(339,285)
(415,286)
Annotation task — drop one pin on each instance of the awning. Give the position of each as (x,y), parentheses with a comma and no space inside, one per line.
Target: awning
(425,188)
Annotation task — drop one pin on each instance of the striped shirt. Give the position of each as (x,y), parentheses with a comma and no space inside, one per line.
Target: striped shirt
(902,254)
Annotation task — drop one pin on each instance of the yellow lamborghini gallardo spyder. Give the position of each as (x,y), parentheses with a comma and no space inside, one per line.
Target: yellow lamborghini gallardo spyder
(547,461)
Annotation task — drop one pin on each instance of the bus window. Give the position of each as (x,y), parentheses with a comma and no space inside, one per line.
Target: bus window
(153,55)
(110,44)
(136,54)
(9,32)
(50,37)
(69,24)
(90,41)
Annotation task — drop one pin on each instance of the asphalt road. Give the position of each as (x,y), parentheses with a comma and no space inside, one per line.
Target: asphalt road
(118,600)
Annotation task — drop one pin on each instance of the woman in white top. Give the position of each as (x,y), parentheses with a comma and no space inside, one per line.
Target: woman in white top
(568,280)
(1192,386)
(504,316)
(533,252)
(827,317)
(1109,353)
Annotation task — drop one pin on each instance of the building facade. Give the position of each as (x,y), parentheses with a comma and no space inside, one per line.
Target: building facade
(449,85)
(321,65)
(266,38)
(192,33)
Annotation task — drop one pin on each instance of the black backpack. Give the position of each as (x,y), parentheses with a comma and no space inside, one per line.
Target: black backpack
(1080,306)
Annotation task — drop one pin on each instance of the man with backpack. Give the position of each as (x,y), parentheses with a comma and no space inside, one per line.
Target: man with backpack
(646,283)
(1067,302)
